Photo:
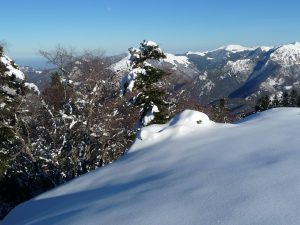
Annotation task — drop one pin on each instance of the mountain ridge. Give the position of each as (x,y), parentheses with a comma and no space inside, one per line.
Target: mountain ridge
(233,71)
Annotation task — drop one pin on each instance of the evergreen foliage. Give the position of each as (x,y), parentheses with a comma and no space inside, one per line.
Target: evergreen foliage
(286,100)
(145,81)
(293,98)
(221,112)
(298,101)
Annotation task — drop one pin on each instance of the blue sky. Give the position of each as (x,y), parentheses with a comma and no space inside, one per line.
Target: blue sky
(115,25)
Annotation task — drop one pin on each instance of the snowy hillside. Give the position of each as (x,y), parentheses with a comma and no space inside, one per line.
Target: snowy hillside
(180,66)
(287,55)
(189,171)
(173,60)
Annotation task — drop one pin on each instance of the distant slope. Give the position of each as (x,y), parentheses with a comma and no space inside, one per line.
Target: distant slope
(190,171)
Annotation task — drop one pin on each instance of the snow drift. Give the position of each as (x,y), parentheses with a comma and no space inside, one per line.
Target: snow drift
(188,172)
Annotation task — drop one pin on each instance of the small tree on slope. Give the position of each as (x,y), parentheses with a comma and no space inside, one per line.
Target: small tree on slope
(145,80)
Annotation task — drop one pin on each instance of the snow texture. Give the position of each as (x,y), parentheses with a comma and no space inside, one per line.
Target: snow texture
(150,115)
(196,53)
(235,48)
(175,60)
(240,66)
(12,71)
(187,173)
(287,55)
(33,87)
(150,44)
(130,78)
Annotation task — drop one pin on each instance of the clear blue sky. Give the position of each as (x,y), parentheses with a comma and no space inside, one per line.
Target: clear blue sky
(115,25)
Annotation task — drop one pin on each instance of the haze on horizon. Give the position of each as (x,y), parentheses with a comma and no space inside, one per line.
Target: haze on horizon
(115,25)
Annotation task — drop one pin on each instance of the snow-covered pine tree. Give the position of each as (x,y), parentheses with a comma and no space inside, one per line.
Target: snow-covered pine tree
(11,84)
(275,102)
(21,167)
(145,80)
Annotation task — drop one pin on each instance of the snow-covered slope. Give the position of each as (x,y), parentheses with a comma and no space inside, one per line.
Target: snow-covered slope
(174,60)
(235,48)
(287,55)
(189,171)
(179,65)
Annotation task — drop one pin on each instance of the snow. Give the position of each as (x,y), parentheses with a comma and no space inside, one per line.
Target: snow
(235,48)
(150,115)
(203,76)
(240,66)
(245,173)
(177,60)
(189,117)
(288,88)
(32,87)
(174,60)
(287,55)
(12,71)
(196,53)
(230,48)
(8,90)
(131,77)
(265,48)
(150,43)
(121,65)
(207,87)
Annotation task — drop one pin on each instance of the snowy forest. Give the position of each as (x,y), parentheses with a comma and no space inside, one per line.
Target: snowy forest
(86,118)
(156,112)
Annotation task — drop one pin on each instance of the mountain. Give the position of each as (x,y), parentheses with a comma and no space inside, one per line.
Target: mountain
(40,77)
(189,171)
(180,66)
(233,71)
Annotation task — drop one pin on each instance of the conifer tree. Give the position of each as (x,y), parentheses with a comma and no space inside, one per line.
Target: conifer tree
(145,79)
(298,101)
(10,90)
(285,99)
(221,112)
(293,98)
(263,104)
(275,102)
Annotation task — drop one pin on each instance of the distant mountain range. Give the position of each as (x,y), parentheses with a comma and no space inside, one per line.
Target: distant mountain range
(233,71)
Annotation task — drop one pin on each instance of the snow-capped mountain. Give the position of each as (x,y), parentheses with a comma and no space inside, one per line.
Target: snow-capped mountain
(189,171)
(179,65)
(233,70)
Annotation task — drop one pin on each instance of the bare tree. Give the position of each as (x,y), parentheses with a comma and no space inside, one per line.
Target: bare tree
(92,130)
